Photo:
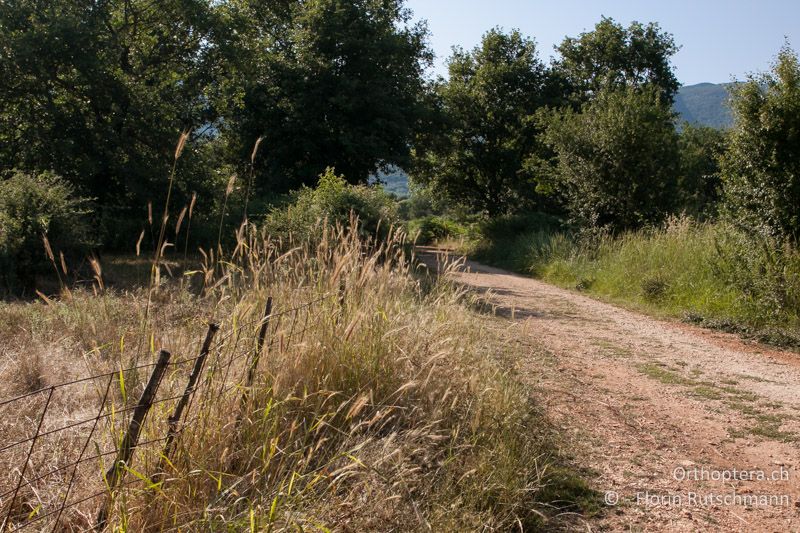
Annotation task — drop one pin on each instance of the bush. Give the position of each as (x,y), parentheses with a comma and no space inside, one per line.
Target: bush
(422,202)
(521,242)
(764,271)
(616,159)
(761,168)
(434,228)
(32,207)
(333,200)
(699,185)
(521,223)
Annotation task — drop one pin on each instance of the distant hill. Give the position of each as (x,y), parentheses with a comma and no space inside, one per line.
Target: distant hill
(395,181)
(704,104)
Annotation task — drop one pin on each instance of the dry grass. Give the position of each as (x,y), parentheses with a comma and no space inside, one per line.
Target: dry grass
(382,410)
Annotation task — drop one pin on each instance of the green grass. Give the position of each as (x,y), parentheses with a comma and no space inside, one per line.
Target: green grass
(708,274)
(668,377)
(759,423)
(710,393)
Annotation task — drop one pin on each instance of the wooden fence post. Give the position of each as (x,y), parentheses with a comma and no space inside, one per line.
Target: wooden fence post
(175,419)
(262,337)
(131,438)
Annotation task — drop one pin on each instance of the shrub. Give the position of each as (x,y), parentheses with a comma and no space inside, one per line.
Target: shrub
(522,242)
(616,159)
(33,206)
(422,202)
(764,271)
(521,223)
(433,228)
(699,184)
(333,200)
(761,168)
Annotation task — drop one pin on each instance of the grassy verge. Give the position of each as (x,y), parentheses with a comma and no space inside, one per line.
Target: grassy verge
(387,414)
(705,273)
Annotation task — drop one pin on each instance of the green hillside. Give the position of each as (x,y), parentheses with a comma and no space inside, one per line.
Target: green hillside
(704,104)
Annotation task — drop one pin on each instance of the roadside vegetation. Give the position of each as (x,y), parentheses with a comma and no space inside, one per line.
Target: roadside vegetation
(687,222)
(712,274)
(397,410)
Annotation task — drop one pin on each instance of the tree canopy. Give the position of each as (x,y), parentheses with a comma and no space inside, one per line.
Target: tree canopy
(99,91)
(616,159)
(477,155)
(761,166)
(325,83)
(612,56)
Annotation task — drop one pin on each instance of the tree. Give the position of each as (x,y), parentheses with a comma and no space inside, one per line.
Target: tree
(477,155)
(34,208)
(325,83)
(699,185)
(98,91)
(761,167)
(616,159)
(613,57)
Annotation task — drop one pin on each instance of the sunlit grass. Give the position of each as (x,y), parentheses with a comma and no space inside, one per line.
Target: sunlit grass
(392,411)
(707,273)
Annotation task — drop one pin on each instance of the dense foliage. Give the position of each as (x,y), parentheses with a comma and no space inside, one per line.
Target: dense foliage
(34,208)
(761,166)
(699,185)
(615,159)
(98,92)
(477,156)
(325,83)
(332,201)
(613,57)
(433,228)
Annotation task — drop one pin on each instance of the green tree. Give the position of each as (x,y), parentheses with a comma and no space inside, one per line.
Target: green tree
(34,207)
(477,154)
(699,184)
(325,83)
(612,57)
(616,159)
(98,92)
(761,167)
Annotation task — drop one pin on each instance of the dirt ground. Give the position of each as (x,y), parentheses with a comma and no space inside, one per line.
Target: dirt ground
(681,428)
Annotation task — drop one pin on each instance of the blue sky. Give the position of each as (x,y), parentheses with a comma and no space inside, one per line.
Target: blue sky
(719,39)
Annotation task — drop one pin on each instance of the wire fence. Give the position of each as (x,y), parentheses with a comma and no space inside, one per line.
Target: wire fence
(75,458)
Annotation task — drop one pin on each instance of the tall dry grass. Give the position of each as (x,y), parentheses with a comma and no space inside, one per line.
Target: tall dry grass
(378,404)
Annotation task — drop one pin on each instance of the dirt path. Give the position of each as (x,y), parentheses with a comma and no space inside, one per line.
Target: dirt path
(658,411)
